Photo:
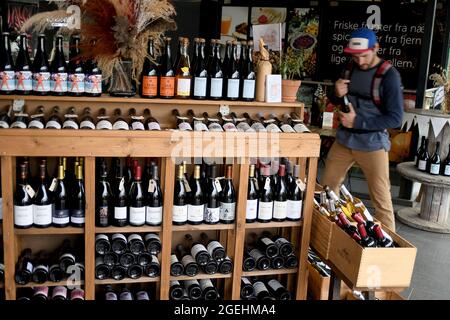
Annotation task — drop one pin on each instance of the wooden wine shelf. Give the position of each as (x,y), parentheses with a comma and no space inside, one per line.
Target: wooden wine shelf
(128,229)
(51,284)
(127,280)
(202,275)
(189,227)
(49,231)
(269,272)
(284,224)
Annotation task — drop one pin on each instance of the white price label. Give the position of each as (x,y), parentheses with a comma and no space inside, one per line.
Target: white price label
(30,191)
(267,184)
(53,185)
(151,186)
(217,184)
(301,184)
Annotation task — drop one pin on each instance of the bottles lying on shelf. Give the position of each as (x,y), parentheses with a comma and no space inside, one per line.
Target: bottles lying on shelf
(58,293)
(318,264)
(193,290)
(269,289)
(125,294)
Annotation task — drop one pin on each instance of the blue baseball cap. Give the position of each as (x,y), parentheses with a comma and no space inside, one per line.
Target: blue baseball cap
(361,40)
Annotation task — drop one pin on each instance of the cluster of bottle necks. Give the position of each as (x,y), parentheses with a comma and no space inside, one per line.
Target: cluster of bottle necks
(46,202)
(125,294)
(268,252)
(133,256)
(270,289)
(318,264)
(346,213)
(275,192)
(41,77)
(206,255)
(58,293)
(193,290)
(55,267)
(432,165)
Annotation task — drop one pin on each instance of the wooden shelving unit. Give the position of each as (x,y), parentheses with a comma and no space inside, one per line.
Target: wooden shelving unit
(303,149)
(51,284)
(269,272)
(202,276)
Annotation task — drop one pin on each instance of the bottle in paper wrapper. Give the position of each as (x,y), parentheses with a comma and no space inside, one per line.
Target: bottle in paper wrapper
(264,68)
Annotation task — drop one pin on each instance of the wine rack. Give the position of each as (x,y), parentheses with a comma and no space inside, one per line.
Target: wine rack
(301,148)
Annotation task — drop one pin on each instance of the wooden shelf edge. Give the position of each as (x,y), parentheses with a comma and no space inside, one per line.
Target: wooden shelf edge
(128,229)
(284,224)
(49,231)
(127,280)
(201,276)
(269,272)
(50,284)
(188,227)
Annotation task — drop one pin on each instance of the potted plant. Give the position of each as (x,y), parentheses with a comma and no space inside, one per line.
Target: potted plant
(290,68)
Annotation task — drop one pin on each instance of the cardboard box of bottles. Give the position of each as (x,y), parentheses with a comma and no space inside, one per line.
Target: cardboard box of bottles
(321,234)
(372,267)
(318,285)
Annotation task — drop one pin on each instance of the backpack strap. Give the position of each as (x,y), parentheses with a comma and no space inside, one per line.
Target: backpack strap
(384,67)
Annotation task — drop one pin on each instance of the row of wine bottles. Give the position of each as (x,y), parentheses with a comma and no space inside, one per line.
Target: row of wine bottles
(268,252)
(318,264)
(43,266)
(193,289)
(58,293)
(346,213)
(135,243)
(432,164)
(125,294)
(271,289)
(42,77)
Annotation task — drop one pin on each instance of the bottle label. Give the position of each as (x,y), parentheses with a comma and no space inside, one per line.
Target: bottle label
(4,125)
(154,215)
(53,124)
(103,215)
(61,216)
(167,86)
(258,127)
(447,170)
(150,86)
(227,211)
(173,259)
(244,127)
(24,80)
(134,236)
(294,209)
(137,126)
(41,81)
(280,209)
(104,125)
(179,213)
(246,281)
(77,294)
(265,210)
(93,84)
(111,296)
(187,259)
(287,128)
(142,295)
(274,284)
(8,82)
(101,237)
(76,82)
(59,291)
(137,215)
(195,213)
(18,125)
(281,241)
(154,126)
(200,126)
(36,124)
(215,127)
(212,215)
(213,245)
(184,126)
(197,248)
(59,82)
(77,216)
(120,125)
(205,283)
(120,213)
(216,88)
(230,127)
(118,236)
(273,128)
(86,124)
(70,124)
(23,215)
(41,290)
(42,215)
(41,267)
(259,287)
(301,128)
(266,241)
(126,296)
(183,87)
(435,168)
(251,210)
(422,165)
(151,236)
(249,89)
(255,254)
(233,88)
(200,87)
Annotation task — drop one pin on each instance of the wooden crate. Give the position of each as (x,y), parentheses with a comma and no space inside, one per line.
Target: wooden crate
(319,286)
(321,234)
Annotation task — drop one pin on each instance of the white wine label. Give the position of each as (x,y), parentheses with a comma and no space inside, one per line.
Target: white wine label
(30,191)
(300,184)
(137,215)
(173,259)
(126,296)
(120,125)
(76,82)
(42,215)
(218,185)
(186,185)
(281,241)
(137,126)
(120,213)
(59,291)
(41,81)
(53,124)
(227,211)
(154,126)
(118,236)
(266,241)
(151,186)
(154,215)
(7,81)
(155,259)
(205,283)
(301,128)
(4,125)
(252,209)
(287,128)
(213,245)
(216,87)
(200,126)
(279,209)
(93,84)
(183,87)
(265,210)
(435,168)
(246,281)
(267,184)
(184,126)
(134,236)
(101,236)
(77,219)
(41,267)
(187,259)
(18,125)
(195,250)
(142,295)
(61,217)
(294,209)
(447,170)
(200,87)
(70,124)
(258,127)
(233,88)
(273,128)
(230,127)
(215,127)
(104,125)
(150,236)
(86,124)
(244,127)
(41,290)
(259,287)
(59,82)
(274,284)
(53,185)
(111,296)
(212,215)
(195,213)
(36,124)
(249,89)
(179,213)
(422,165)
(23,215)
(24,80)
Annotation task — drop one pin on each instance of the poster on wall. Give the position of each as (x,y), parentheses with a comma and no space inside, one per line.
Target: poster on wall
(303,34)
(234,23)
(271,33)
(268,15)
(18,13)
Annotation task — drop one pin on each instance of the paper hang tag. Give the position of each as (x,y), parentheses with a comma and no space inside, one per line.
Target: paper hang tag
(151,186)
(256,184)
(186,185)
(30,191)
(53,185)
(34,116)
(122,184)
(18,105)
(267,184)
(217,184)
(301,184)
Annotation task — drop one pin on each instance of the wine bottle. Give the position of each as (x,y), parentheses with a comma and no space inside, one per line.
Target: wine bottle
(284,246)
(215,73)
(67,256)
(71,120)
(228,53)
(267,246)
(142,296)
(366,241)
(200,73)
(58,69)
(77,74)
(54,122)
(249,263)
(153,269)
(135,271)
(41,69)
(119,121)
(93,79)
(55,273)
(419,152)
(87,122)
(103,122)
(5,118)
(228,198)
(196,206)
(152,243)
(24,74)
(246,288)
(110,295)
(24,268)
(118,272)
(178,52)
(154,209)
(446,164)
(126,295)
(241,123)
(167,73)
(190,266)
(282,124)
(291,261)
(37,119)
(262,262)
(120,217)
(209,292)
(59,293)
(198,123)
(227,123)
(78,203)
(261,291)
(195,54)
(180,200)
(176,267)
(280,196)
(151,123)
(277,290)
(295,196)
(127,259)
(149,75)
(40,293)
(212,210)
(103,200)
(42,202)
(277,262)
(434,166)
(20,121)
(226,265)
(7,74)
(136,122)
(256,125)
(182,122)
(252,197)
(77,295)
(135,244)
(198,250)
(382,240)
(193,289)
(61,214)
(137,200)
(233,74)
(215,249)
(40,271)
(296,123)
(269,124)
(248,73)
(102,244)
(213,123)
(102,271)
(265,209)
(175,290)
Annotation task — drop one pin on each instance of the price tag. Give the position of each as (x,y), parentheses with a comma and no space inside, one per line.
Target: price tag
(33,116)
(301,184)
(217,184)
(151,186)
(186,185)
(30,191)
(18,105)
(267,184)
(122,184)
(53,185)
(137,117)
(70,116)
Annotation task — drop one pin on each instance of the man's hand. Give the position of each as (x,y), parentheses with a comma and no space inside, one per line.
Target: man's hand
(347,119)
(341,87)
